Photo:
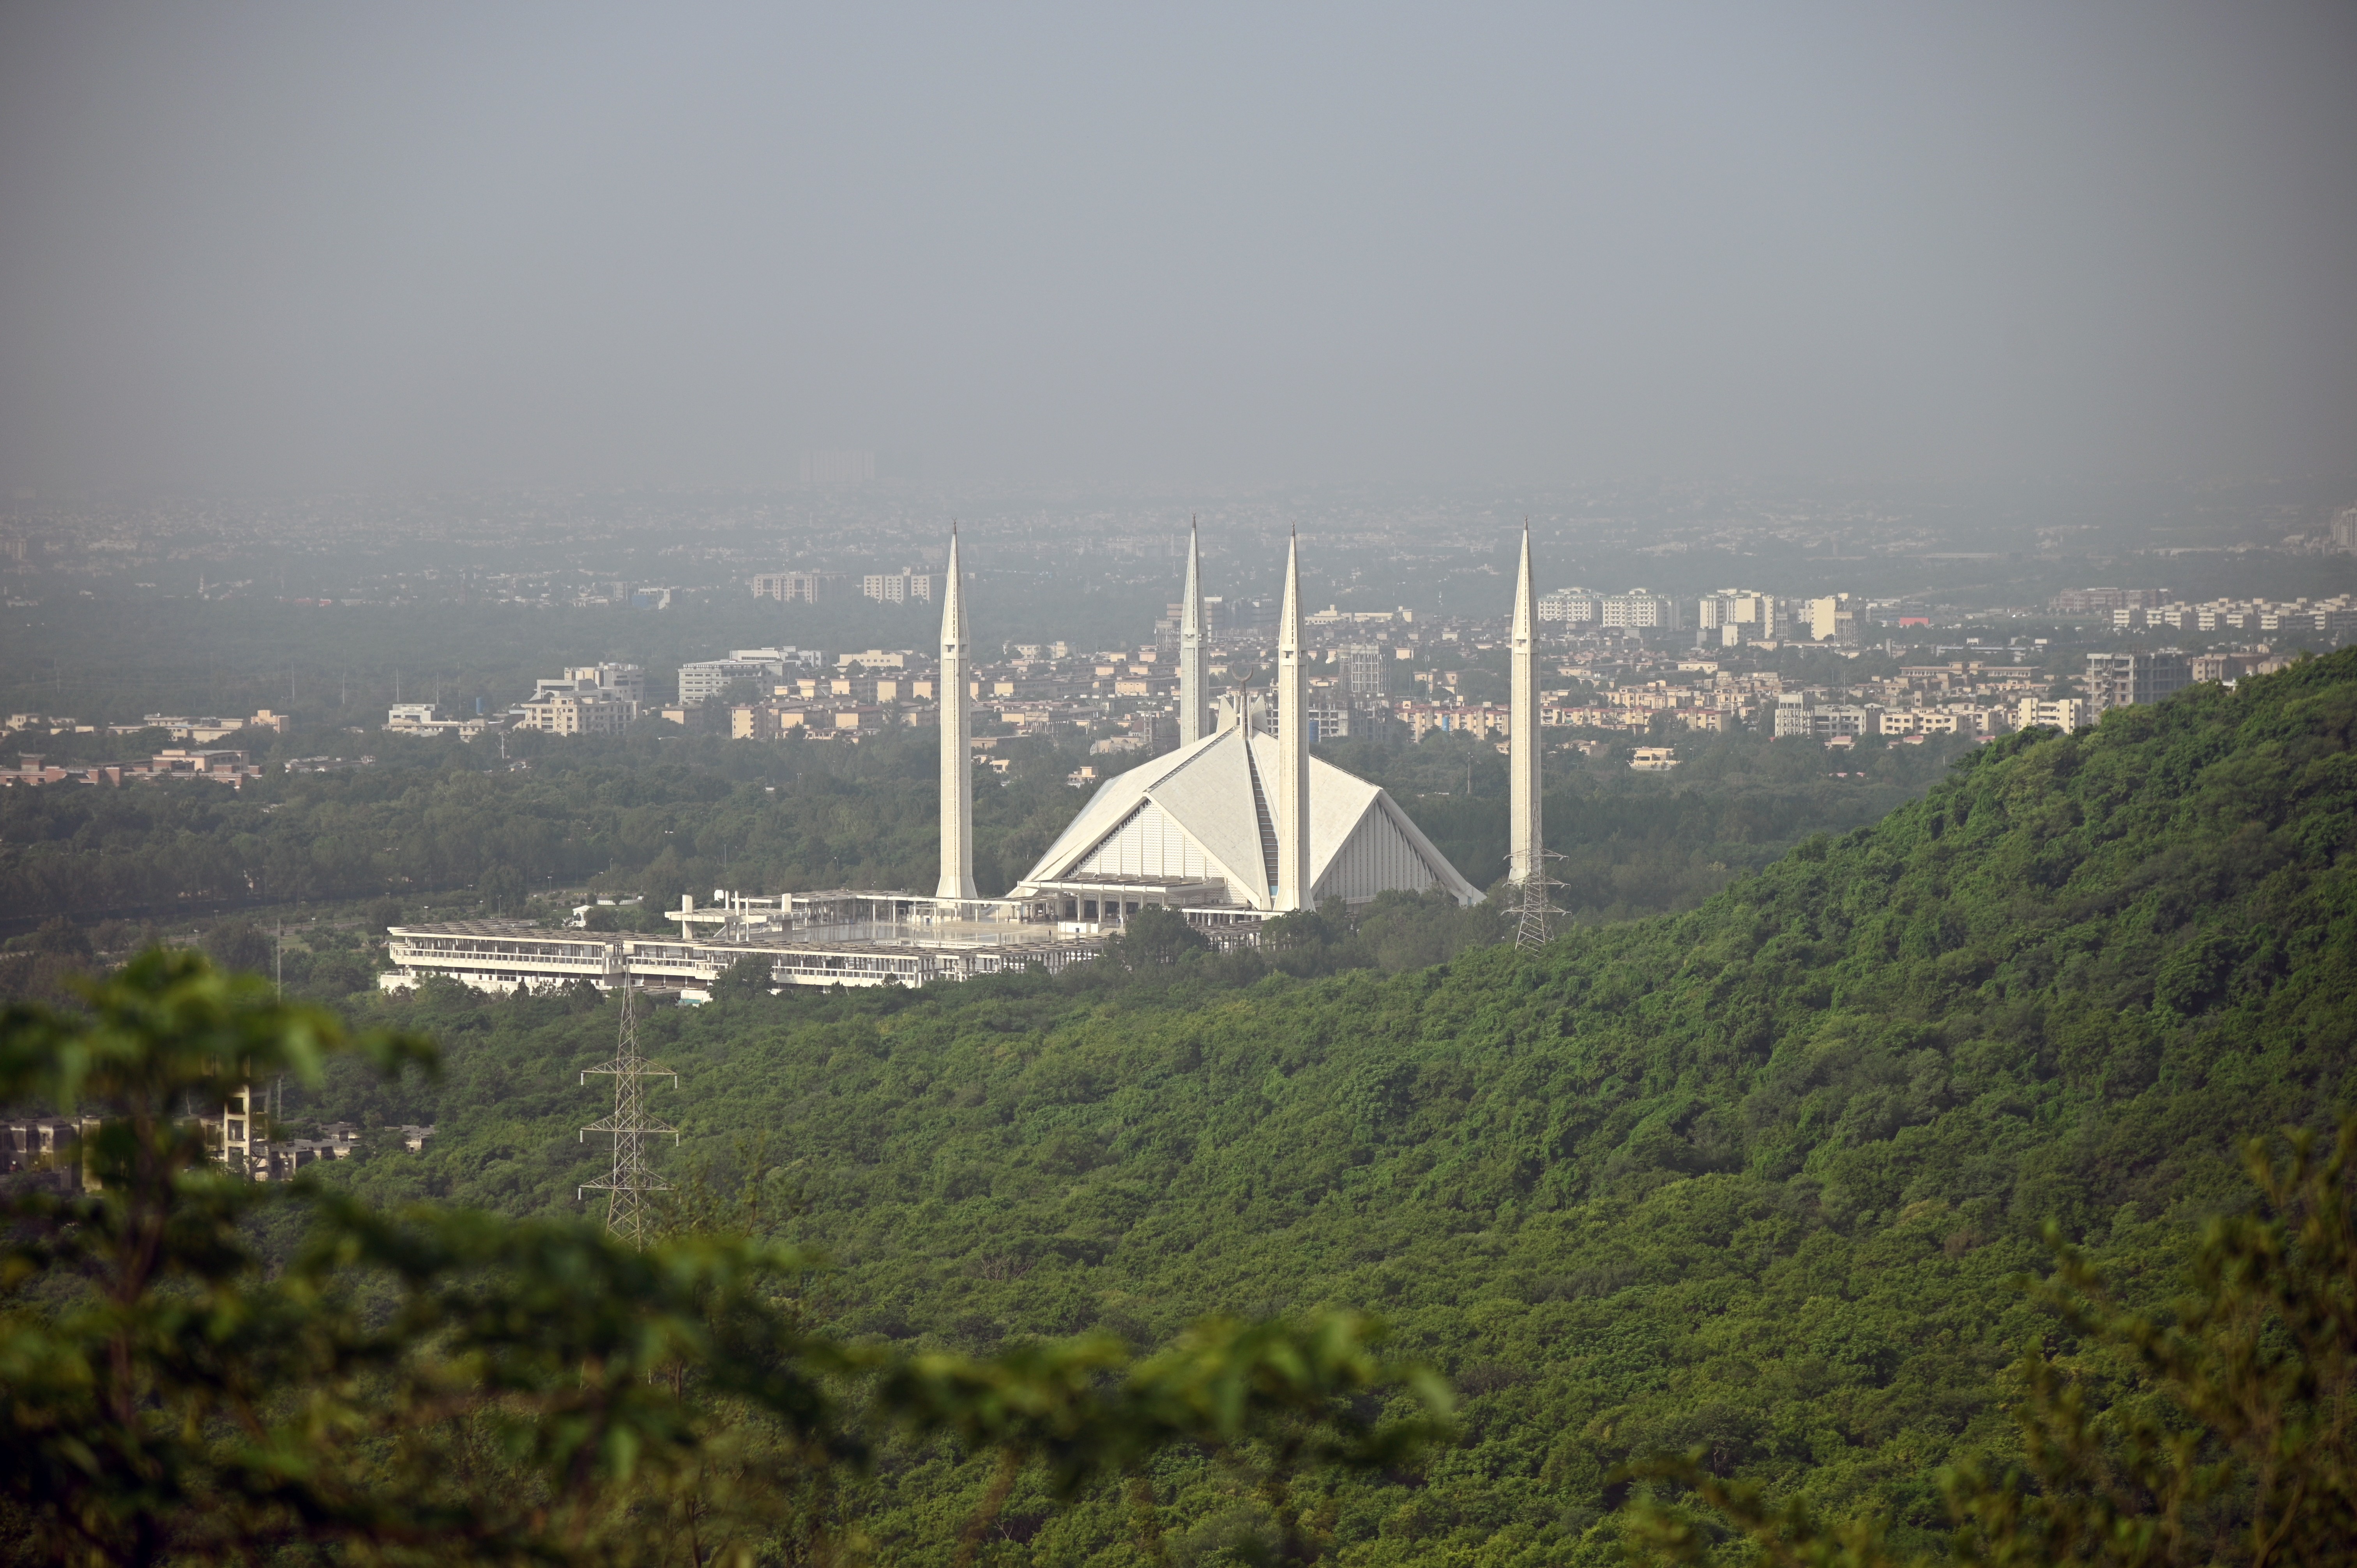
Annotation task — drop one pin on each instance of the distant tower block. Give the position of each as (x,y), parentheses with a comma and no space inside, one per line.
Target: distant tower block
(1526,849)
(1292,744)
(957,744)
(1194,657)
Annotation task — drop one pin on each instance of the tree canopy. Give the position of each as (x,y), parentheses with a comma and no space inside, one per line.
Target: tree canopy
(429,1385)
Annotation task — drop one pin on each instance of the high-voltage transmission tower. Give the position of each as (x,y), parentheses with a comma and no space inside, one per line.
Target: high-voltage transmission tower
(626,1217)
(1535,909)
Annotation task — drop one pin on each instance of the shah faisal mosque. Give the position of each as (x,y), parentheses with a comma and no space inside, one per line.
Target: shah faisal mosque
(1235,826)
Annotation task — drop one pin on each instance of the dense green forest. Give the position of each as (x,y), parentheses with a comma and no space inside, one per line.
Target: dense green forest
(1753,1180)
(433,1385)
(659,813)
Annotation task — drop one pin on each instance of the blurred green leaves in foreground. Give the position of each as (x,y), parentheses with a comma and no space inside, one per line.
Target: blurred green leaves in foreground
(440,1385)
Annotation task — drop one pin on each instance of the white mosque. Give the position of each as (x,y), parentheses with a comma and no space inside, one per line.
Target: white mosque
(1235,826)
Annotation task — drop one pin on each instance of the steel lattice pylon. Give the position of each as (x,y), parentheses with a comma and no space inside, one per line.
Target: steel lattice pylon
(1533,909)
(626,1211)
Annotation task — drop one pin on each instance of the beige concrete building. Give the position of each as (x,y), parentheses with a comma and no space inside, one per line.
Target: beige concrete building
(1834,618)
(2065,713)
(588,699)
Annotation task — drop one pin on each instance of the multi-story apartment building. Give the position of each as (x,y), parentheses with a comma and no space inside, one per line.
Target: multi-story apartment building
(1736,615)
(1801,718)
(1834,618)
(2329,619)
(2103,601)
(797,587)
(1572,606)
(588,699)
(578,712)
(2065,713)
(46,1151)
(627,682)
(2334,618)
(1956,674)
(1637,610)
(1360,665)
(2225,666)
(2121,680)
(1329,724)
(768,721)
(903,587)
(1467,718)
(1954,719)
(705,678)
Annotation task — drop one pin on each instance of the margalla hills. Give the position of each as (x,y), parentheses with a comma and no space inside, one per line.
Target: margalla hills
(1969,1187)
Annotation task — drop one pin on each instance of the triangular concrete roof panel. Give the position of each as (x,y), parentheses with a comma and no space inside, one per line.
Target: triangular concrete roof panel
(1206,789)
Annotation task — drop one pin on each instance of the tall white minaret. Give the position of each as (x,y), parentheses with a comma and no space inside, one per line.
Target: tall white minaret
(957,733)
(1194,658)
(1292,803)
(1524,862)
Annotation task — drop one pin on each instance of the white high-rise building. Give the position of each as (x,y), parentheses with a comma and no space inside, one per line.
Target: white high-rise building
(1363,671)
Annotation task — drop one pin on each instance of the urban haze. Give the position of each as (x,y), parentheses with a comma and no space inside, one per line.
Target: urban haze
(272,247)
(1177,787)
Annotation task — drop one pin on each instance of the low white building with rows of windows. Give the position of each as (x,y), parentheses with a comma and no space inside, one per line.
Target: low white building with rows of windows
(843,938)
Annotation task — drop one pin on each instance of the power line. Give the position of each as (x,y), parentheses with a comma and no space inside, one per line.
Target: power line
(631,1180)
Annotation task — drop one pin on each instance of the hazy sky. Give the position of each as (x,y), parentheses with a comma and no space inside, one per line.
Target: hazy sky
(291,246)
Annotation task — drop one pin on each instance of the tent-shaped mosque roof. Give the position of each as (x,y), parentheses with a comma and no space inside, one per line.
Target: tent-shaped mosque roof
(1202,813)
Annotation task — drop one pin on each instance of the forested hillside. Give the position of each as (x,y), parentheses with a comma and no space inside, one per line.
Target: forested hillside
(1754,1177)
